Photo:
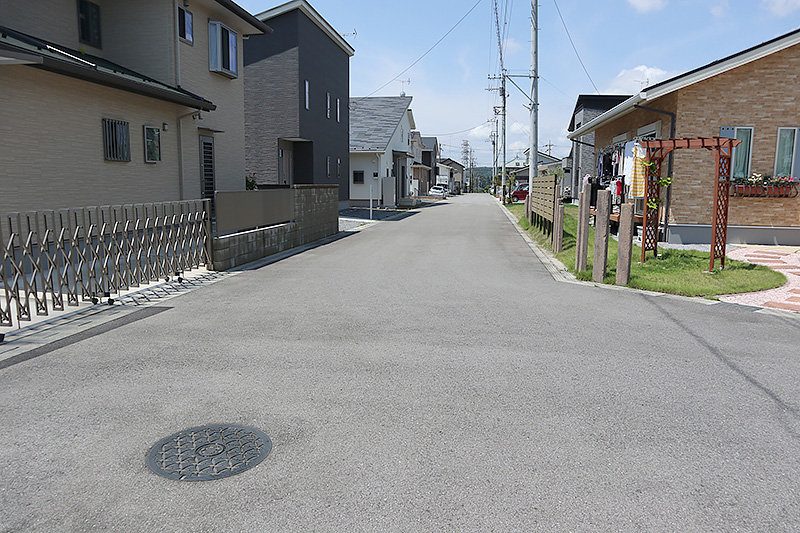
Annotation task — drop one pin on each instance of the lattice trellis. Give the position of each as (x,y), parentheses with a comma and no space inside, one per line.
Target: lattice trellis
(722,147)
(652,194)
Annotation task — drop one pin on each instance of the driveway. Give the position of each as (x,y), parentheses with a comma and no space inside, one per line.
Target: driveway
(422,374)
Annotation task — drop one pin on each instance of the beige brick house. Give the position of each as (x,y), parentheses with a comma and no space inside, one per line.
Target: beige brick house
(113,101)
(752,96)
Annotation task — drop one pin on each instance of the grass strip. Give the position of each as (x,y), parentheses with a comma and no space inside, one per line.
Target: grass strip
(681,272)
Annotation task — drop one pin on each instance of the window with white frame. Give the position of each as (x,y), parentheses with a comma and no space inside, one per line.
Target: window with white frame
(308,95)
(338,115)
(328,104)
(152,144)
(222,49)
(338,167)
(787,152)
(116,140)
(185,25)
(743,153)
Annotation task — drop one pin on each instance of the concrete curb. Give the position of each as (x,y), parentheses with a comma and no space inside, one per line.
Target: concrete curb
(560,273)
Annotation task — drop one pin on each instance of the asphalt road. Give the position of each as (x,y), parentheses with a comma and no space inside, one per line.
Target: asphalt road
(425,374)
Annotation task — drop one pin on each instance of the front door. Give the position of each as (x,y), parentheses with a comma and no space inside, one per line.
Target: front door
(285,163)
(208,183)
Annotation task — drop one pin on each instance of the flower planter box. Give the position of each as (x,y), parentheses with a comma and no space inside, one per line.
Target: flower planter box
(765,191)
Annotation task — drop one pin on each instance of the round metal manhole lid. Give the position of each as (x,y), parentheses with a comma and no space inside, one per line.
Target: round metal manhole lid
(208,452)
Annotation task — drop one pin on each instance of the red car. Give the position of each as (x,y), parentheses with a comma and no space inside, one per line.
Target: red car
(520,193)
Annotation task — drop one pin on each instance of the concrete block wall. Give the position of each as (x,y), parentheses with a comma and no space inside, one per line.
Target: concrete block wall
(316,217)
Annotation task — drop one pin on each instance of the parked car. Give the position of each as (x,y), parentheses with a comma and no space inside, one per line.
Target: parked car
(520,193)
(438,190)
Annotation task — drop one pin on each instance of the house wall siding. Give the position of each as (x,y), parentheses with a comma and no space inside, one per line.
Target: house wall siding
(52,153)
(327,67)
(226,123)
(52,20)
(272,108)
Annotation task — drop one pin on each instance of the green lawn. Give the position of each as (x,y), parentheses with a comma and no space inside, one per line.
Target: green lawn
(675,271)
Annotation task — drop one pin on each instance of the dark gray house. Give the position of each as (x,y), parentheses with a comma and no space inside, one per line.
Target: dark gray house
(583,155)
(296,96)
(430,155)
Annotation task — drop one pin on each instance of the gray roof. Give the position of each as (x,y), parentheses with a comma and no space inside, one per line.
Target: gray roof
(374,120)
(429,142)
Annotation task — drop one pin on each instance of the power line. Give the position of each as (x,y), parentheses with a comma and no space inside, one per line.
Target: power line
(457,132)
(426,53)
(574,48)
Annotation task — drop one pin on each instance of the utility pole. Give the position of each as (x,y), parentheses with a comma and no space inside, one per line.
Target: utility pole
(533,165)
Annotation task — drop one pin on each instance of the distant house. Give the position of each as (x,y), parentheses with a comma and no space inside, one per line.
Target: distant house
(517,162)
(380,150)
(430,155)
(297,86)
(583,154)
(750,96)
(456,182)
(419,171)
(120,102)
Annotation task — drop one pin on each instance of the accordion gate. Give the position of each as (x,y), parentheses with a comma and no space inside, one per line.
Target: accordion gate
(53,259)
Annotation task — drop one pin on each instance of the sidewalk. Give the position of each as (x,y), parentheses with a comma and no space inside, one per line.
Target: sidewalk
(785,259)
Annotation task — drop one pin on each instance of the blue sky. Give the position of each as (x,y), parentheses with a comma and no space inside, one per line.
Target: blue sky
(622,43)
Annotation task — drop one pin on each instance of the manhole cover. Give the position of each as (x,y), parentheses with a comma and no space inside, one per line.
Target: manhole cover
(208,452)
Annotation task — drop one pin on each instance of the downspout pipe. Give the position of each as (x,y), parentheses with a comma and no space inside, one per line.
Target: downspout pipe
(669,164)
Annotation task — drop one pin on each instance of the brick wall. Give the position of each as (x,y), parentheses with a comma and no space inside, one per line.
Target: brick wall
(316,217)
(762,95)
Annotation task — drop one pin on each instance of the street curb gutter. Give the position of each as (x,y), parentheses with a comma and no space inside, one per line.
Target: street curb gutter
(560,273)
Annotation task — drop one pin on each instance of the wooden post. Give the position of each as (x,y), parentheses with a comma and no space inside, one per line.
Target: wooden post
(558,229)
(582,243)
(601,223)
(625,253)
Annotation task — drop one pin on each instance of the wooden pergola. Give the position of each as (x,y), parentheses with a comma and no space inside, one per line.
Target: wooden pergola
(657,151)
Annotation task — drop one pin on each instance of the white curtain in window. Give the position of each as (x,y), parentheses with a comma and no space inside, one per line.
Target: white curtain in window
(213,45)
(783,163)
(232,52)
(741,154)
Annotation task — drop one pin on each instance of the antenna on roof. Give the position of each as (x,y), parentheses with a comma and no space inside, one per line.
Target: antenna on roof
(353,35)
(403,85)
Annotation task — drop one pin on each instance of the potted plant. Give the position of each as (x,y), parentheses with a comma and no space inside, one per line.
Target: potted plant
(782,186)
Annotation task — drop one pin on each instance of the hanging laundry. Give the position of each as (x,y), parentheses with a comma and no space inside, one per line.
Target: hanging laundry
(638,171)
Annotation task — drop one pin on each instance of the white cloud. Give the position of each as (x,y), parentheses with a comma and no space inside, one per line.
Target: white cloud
(780,8)
(720,9)
(517,148)
(512,46)
(643,6)
(631,81)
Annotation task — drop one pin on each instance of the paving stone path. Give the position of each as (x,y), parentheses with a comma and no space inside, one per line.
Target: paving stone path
(782,259)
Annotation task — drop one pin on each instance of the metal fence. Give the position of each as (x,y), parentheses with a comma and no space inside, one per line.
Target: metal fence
(53,259)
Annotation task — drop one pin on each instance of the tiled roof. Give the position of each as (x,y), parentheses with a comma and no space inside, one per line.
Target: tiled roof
(78,64)
(374,120)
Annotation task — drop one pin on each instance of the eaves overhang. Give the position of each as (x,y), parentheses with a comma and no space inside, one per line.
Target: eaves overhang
(243,14)
(315,17)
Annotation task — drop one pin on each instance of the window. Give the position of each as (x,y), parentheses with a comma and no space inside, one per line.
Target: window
(152,144)
(222,46)
(787,152)
(328,99)
(116,140)
(338,167)
(338,115)
(89,23)
(743,153)
(307,95)
(328,165)
(185,26)
(358,176)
